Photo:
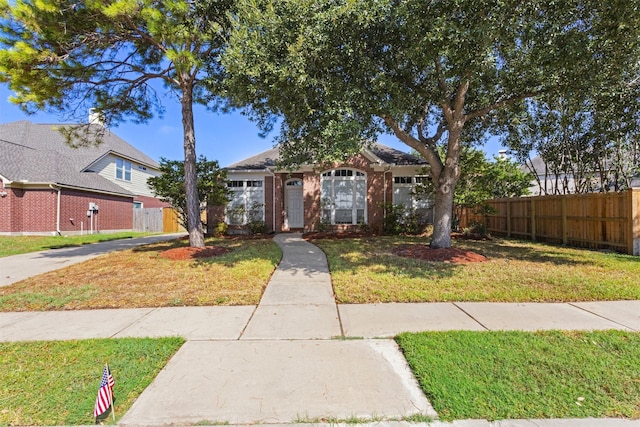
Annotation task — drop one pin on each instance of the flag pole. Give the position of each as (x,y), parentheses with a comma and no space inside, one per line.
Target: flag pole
(113,408)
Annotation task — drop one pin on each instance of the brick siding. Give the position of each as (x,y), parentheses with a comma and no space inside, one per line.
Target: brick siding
(33,211)
(116,212)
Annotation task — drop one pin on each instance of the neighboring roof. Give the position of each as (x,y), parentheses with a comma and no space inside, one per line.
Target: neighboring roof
(535,165)
(387,155)
(38,153)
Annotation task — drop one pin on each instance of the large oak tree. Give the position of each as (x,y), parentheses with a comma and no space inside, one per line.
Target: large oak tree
(433,73)
(67,56)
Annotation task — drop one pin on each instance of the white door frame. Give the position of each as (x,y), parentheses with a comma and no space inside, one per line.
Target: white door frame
(291,188)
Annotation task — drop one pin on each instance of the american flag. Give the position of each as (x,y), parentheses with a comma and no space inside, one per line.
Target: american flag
(105,392)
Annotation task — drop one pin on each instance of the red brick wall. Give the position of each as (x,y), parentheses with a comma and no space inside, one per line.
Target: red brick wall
(278,188)
(35,211)
(311,196)
(268,202)
(28,211)
(115,213)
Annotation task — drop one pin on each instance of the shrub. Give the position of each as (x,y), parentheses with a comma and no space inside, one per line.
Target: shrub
(256,227)
(399,219)
(220,229)
(475,229)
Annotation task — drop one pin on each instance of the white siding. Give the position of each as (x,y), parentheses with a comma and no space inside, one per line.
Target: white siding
(106,167)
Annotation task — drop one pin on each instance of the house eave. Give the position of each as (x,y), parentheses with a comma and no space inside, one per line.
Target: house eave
(373,158)
(248,171)
(93,190)
(25,184)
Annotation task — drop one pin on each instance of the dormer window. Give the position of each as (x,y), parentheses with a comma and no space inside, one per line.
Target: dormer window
(123,169)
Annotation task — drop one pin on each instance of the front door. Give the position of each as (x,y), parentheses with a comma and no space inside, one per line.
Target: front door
(294,206)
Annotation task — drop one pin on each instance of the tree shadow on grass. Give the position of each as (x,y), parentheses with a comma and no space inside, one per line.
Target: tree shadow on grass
(544,253)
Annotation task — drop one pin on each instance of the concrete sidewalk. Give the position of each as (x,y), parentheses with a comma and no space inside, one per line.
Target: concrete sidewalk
(296,322)
(287,361)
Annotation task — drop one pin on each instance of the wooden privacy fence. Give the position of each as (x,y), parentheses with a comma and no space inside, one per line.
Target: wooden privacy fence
(595,220)
(156,220)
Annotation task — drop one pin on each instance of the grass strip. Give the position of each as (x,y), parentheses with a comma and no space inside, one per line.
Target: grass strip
(366,270)
(56,382)
(14,245)
(523,375)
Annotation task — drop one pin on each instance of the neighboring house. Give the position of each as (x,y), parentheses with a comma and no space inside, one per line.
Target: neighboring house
(549,182)
(545,181)
(49,187)
(309,198)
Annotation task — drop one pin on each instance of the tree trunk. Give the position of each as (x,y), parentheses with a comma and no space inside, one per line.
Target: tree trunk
(445,184)
(444,175)
(196,236)
(442,215)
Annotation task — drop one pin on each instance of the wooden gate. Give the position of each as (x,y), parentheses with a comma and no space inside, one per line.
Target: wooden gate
(148,220)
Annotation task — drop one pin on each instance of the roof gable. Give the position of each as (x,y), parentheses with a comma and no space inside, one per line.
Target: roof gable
(39,153)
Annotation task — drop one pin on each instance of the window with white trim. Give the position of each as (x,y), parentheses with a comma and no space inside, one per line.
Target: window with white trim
(403,194)
(123,169)
(344,196)
(246,203)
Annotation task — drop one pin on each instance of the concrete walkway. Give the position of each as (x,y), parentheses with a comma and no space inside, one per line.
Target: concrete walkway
(287,361)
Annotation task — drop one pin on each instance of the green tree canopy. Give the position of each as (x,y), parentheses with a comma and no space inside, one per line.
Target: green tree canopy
(68,56)
(169,187)
(434,74)
(482,179)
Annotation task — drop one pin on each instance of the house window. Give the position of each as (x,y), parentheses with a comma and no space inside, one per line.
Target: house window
(403,192)
(246,203)
(344,196)
(403,180)
(123,169)
(137,205)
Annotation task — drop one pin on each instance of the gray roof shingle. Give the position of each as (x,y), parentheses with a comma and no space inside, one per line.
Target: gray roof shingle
(38,153)
(388,155)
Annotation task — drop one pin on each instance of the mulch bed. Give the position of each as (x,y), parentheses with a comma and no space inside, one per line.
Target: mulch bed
(187,252)
(422,252)
(447,255)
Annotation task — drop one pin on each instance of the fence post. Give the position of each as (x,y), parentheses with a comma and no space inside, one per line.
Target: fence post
(565,229)
(533,219)
(508,217)
(633,245)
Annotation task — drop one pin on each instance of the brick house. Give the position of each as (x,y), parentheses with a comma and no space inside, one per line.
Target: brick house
(340,197)
(47,187)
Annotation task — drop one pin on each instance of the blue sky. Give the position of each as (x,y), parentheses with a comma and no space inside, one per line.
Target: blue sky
(227,138)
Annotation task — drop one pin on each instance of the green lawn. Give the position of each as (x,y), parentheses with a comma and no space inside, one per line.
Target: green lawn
(520,375)
(56,383)
(145,278)
(14,245)
(367,270)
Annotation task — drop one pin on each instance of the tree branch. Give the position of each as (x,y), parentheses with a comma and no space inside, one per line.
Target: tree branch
(502,103)
(426,150)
